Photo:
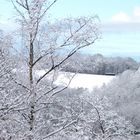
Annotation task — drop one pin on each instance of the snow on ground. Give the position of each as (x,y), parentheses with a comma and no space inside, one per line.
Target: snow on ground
(88,81)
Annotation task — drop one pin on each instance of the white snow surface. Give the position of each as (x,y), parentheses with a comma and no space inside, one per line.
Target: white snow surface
(88,81)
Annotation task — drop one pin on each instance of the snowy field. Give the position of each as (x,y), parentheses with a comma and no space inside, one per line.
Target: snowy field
(79,80)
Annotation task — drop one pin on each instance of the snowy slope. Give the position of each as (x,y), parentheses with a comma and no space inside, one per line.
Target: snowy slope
(88,81)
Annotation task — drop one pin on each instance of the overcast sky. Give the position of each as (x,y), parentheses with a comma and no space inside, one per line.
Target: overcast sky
(120,20)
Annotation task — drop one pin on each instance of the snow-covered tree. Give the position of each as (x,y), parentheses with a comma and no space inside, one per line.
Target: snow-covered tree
(81,115)
(124,94)
(99,64)
(97,119)
(30,99)
(7,86)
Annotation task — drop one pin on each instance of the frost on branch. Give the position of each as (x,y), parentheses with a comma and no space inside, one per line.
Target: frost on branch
(97,120)
(31,108)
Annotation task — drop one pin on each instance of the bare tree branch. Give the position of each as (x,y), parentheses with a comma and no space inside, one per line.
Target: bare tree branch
(18,11)
(22,5)
(68,56)
(42,15)
(63,127)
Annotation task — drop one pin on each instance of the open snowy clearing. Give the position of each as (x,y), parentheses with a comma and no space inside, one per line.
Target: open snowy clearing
(79,80)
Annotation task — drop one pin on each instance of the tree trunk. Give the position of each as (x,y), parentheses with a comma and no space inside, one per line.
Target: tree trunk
(31,58)
(32,93)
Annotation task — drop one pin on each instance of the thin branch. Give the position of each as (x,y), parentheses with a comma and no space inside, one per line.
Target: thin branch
(56,88)
(20,84)
(20,13)
(64,87)
(56,92)
(60,129)
(64,126)
(41,16)
(99,118)
(21,4)
(27,5)
(46,93)
(38,59)
(68,56)
(65,43)
(72,34)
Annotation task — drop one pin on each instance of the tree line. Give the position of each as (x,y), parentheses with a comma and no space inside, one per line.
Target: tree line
(99,64)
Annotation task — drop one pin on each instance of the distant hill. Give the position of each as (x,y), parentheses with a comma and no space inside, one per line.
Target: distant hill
(99,64)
